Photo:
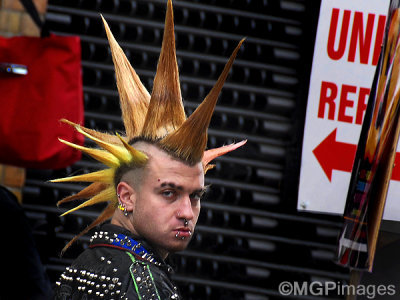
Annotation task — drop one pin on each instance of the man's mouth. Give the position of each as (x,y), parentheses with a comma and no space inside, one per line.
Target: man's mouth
(183,233)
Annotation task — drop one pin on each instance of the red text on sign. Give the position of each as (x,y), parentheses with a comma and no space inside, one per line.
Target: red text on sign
(360,37)
(336,102)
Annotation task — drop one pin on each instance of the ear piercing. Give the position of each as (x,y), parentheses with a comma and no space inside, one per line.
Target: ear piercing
(122,208)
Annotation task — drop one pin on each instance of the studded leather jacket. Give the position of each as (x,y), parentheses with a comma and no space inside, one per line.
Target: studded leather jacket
(116,266)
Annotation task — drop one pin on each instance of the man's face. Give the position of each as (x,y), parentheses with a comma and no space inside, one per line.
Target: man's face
(169,194)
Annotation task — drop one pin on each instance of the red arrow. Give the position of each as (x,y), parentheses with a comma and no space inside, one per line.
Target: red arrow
(334,155)
(396,167)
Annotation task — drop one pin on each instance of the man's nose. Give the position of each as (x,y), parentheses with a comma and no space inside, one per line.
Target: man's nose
(186,210)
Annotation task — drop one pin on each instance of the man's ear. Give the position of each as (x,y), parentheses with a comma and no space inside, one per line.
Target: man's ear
(127,195)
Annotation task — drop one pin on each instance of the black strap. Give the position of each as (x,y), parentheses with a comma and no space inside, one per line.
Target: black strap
(32,11)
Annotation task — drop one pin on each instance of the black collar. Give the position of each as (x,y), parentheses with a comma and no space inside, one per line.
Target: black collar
(114,236)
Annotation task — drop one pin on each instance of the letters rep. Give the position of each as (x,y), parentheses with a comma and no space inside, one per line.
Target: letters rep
(334,101)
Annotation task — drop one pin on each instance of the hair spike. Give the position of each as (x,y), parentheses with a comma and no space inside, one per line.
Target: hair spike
(190,140)
(105,176)
(120,152)
(109,138)
(166,111)
(101,155)
(211,154)
(87,192)
(103,196)
(137,156)
(134,97)
(106,214)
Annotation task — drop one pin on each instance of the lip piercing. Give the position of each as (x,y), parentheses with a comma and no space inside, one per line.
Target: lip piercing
(177,235)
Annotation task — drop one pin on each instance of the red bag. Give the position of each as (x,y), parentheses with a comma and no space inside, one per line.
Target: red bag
(32,105)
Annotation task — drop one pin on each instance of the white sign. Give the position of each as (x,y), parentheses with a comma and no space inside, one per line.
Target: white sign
(346,53)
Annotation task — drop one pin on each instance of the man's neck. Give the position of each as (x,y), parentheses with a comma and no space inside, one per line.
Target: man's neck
(127,224)
(123,222)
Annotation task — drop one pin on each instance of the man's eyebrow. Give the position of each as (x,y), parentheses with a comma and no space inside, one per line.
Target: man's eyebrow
(201,190)
(171,185)
(178,187)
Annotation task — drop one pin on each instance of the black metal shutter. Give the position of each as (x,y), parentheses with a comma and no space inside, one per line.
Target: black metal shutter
(249,236)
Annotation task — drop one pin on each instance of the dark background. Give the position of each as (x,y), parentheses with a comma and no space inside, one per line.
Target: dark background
(249,236)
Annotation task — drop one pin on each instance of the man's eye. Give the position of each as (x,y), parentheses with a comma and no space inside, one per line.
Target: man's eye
(168,194)
(195,196)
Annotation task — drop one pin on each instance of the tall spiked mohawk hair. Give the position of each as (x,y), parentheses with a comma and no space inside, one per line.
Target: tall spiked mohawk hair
(159,118)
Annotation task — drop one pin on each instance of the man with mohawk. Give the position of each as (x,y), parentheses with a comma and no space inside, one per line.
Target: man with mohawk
(153,183)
